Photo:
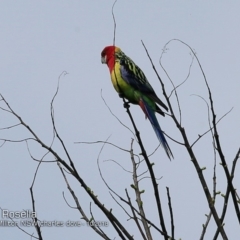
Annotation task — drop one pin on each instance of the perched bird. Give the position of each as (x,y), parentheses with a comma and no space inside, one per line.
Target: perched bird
(130,82)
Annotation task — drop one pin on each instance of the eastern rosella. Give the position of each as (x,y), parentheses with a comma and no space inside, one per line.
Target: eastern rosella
(130,82)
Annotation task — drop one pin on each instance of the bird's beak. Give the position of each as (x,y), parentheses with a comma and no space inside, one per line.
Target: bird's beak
(103,59)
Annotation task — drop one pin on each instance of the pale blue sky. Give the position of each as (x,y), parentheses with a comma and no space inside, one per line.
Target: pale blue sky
(41,39)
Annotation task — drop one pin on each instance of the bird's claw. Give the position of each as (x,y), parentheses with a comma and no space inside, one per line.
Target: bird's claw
(121,95)
(126,105)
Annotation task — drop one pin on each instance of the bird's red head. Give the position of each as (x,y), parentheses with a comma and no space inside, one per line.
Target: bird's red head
(108,55)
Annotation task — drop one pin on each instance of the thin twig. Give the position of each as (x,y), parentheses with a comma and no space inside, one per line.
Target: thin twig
(103,235)
(116,116)
(136,219)
(35,220)
(10,126)
(111,160)
(226,196)
(114,21)
(205,225)
(107,143)
(171,212)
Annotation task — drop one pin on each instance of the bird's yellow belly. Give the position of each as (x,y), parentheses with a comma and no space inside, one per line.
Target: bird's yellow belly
(123,87)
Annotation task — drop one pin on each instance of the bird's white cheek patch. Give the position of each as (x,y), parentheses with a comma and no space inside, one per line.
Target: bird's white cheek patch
(103,59)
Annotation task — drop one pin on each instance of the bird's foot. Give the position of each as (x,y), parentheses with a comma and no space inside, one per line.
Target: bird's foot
(126,105)
(121,95)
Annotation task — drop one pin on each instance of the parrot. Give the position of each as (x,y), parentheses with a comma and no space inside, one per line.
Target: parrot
(131,83)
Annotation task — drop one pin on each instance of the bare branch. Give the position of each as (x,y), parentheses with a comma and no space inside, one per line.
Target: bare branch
(35,220)
(67,202)
(5,128)
(171,213)
(136,219)
(150,168)
(117,225)
(79,206)
(190,151)
(109,143)
(111,160)
(138,196)
(217,140)
(226,196)
(120,205)
(205,225)
(2,143)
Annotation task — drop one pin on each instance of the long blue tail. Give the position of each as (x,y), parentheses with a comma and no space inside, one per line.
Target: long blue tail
(152,118)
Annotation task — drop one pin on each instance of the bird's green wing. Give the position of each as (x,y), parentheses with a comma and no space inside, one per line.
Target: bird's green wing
(135,77)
